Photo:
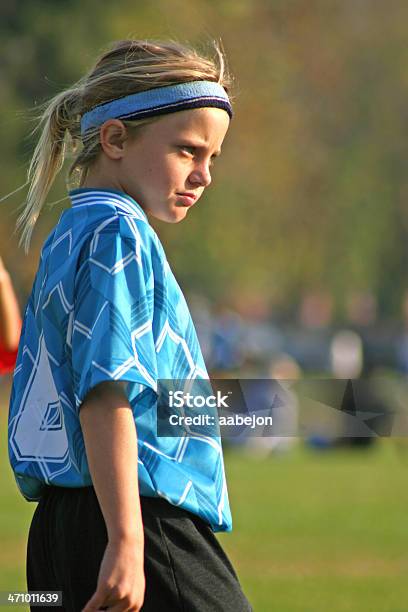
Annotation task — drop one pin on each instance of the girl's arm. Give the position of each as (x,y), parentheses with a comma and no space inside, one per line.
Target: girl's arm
(10,320)
(111,447)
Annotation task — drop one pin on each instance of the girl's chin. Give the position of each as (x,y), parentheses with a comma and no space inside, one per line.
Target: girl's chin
(174,215)
(179,214)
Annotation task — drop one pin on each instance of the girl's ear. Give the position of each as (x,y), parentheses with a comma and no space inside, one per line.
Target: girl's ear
(112,135)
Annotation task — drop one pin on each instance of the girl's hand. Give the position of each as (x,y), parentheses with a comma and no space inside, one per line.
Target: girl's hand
(121,581)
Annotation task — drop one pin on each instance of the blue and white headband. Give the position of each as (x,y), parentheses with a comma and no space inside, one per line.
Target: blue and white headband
(158,101)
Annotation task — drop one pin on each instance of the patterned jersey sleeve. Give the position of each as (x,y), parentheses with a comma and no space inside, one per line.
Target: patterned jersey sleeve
(112,336)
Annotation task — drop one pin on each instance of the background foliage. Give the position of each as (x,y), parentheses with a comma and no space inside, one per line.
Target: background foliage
(310,191)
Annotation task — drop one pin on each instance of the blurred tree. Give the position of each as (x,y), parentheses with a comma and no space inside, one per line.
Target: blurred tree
(311,188)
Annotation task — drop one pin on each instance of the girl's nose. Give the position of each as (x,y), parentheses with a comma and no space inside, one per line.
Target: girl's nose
(201,175)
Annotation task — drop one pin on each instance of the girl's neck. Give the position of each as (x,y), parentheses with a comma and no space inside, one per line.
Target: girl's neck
(98,178)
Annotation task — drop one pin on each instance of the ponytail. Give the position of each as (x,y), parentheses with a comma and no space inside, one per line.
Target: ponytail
(48,158)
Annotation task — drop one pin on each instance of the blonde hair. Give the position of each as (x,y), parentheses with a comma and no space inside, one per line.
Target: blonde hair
(129,66)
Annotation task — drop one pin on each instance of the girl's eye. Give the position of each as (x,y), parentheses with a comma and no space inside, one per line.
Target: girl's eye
(188,149)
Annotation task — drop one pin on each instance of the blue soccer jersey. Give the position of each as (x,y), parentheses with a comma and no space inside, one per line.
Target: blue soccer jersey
(106,306)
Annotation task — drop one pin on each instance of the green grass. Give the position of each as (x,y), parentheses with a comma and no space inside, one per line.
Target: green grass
(321,531)
(15,517)
(312,531)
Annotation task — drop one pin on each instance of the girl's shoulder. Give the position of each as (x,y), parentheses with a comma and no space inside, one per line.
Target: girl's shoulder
(98,212)
(110,235)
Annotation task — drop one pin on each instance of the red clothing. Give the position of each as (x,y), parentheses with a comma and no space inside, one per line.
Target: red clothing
(7,360)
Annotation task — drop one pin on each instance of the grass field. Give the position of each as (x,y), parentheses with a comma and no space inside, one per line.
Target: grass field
(312,532)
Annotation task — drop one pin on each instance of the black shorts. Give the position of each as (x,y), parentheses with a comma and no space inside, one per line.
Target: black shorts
(185,567)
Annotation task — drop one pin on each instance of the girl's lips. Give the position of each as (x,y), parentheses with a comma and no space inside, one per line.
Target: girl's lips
(186,199)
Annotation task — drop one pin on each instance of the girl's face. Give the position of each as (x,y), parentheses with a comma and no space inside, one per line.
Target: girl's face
(167,166)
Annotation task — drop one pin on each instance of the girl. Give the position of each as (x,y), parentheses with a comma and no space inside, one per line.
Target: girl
(125,518)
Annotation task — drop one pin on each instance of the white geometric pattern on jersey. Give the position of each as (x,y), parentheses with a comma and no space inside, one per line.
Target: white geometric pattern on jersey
(83,329)
(121,263)
(167,331)
(64,302)
(29,438)
(68,234)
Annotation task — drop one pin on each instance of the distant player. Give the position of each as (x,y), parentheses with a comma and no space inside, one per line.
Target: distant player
(10,322)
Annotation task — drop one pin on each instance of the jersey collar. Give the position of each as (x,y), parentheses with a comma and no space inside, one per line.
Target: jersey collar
(84,196)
